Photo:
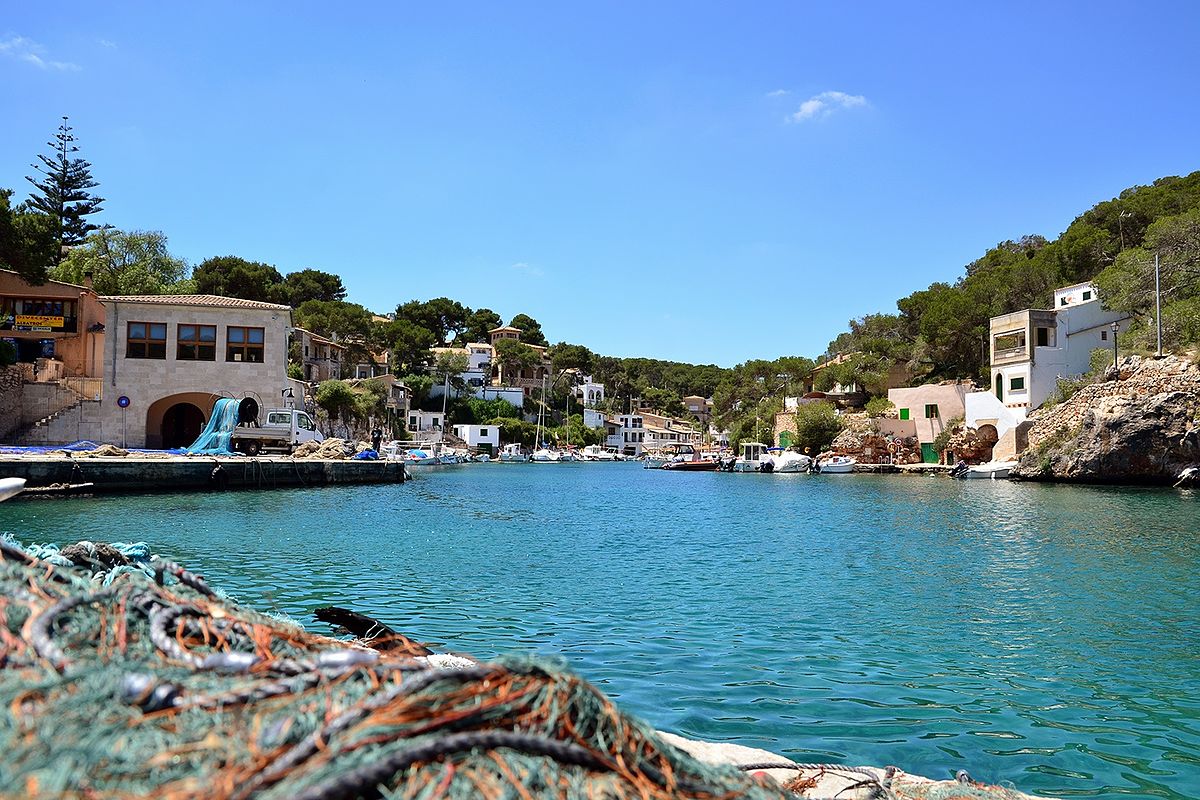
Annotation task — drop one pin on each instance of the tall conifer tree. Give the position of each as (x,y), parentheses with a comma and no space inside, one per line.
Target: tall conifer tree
(63,188)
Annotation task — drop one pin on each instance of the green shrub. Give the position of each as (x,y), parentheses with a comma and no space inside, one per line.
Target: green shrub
(878,406)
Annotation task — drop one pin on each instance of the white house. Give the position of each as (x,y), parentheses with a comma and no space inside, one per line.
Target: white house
(479,437)
(627,433)
(591,394)
(1032,349)
(425,424)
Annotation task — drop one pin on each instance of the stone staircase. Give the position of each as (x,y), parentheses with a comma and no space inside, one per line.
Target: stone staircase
(58,412)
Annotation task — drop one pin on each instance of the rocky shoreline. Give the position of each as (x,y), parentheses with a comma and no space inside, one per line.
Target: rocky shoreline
(1139,425)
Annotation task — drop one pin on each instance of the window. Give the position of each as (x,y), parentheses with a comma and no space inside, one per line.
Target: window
(1087,296)
(1005,342)
(904,413)
(196,343)
(1043,337)
(1016,384)
(412,422)
(146,340)
(304,422)
(483,432)
(279,418)
(931,411)
(244,344)
(1104,336)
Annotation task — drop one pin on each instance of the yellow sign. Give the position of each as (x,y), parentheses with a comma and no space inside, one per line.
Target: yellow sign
(38,321)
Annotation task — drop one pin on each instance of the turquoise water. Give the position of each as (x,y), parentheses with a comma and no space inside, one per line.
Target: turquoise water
(1043,635)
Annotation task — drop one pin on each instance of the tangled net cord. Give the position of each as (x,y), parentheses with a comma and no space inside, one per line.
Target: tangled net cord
(368,741)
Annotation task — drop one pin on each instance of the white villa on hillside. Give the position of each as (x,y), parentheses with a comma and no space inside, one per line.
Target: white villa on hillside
(1032,349)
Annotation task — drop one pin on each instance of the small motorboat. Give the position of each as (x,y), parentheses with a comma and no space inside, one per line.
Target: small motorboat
(11,487)
(545,455)
(513,454)
(837,465)
(699,465)
(784,462)
(993,470)
(754,455)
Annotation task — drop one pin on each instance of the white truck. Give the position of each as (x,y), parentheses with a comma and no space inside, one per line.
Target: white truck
(282,429)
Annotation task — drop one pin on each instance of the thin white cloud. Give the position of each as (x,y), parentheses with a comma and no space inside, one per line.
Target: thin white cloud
(528,269)
(822,105)
(29,51)
(109,43)
(778,93)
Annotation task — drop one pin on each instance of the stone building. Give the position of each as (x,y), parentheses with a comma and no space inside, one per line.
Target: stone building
(172,357)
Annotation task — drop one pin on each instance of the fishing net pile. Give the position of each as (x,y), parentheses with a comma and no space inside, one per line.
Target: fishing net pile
(123,675)
(126,675)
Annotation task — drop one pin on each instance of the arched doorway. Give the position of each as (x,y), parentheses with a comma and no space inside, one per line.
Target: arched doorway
(158,427)
(181,424)
(1000,387)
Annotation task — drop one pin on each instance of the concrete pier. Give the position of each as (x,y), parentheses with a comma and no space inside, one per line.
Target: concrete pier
(191,473)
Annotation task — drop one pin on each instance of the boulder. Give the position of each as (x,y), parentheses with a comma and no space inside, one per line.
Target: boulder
(1138,425)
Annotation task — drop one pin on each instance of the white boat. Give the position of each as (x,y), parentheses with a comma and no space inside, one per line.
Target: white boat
(11,487)
(545,455)
(789,461)
(594,452)
(836,465)
(993,470)
(513,454)
(754,455)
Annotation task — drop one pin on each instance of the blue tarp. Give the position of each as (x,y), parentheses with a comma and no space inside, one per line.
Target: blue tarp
(367,454)
(214,440)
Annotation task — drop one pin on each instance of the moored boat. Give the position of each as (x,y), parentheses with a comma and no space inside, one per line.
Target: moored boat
(993,470)
(513,454)
(837,465)
(11,487)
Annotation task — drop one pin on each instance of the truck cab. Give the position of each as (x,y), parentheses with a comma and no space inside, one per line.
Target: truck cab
(300,426)
(282,429)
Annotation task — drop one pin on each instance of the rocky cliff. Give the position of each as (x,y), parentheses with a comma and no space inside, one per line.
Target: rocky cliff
(1140,424)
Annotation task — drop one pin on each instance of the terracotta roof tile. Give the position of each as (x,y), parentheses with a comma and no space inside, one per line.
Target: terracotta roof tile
(207,300)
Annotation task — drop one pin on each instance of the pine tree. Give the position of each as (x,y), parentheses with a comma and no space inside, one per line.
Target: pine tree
(63,188)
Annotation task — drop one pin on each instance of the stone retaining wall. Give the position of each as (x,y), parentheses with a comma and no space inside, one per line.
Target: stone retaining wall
(12,392)
(1135,378)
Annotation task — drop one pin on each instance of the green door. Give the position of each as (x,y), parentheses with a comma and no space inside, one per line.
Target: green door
(928,454)
(785,439)
(904,413)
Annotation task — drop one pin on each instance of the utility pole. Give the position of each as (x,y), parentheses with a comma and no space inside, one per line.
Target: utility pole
(1158,305)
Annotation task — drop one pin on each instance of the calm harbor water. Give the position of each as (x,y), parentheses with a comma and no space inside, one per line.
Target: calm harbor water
(1043,635)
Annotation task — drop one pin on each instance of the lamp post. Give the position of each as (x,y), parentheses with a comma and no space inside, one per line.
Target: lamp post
(1114,327)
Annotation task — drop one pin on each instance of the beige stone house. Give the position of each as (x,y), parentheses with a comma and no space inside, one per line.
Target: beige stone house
(928,410)
(172,357)
(321,359)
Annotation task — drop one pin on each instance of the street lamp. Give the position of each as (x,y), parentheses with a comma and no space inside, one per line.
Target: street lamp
(1114,327)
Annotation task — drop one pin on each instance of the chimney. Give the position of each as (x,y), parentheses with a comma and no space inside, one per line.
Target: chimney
(87,279)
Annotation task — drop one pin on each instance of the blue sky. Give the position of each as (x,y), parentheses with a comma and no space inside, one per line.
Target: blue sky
(688,181)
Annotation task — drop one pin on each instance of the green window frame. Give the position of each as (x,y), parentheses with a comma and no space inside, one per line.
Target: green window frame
(904,413)
(931,411)
(1016,384)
